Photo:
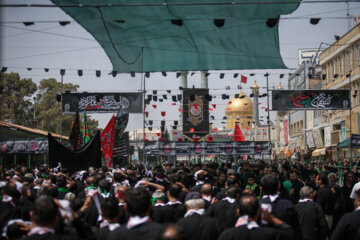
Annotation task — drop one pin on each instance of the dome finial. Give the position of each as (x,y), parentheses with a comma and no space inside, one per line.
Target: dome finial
(280,87)
(255,87)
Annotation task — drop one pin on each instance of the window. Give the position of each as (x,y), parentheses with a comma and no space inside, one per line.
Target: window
(341,67)
(333,67)
(327,73)
(349,60)
(359,54)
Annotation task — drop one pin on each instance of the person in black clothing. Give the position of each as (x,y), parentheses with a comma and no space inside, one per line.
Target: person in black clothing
(198,226)
(224,211)
(61,185)
(346,191)
(325,198)
(44,217)
(247,227)
(173,210)
(110,214)
(281,208)
(139,226)
(349,225)
(311,218)
(206,194)
(296,186)
(9,205)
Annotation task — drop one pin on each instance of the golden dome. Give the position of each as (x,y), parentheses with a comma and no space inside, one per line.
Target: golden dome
(240,106)
(280,87)
(255,87)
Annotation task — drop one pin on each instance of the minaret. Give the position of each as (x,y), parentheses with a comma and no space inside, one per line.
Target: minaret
(255,91)
(183,84)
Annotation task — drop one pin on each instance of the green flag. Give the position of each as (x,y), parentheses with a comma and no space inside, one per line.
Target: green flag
(86,133)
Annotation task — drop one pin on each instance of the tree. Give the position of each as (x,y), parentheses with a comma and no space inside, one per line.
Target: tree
(15,98)
(48,107)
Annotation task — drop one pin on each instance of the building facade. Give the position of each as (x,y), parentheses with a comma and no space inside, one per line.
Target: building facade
(341,70)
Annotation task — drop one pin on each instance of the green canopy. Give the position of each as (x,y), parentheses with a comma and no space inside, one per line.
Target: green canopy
(173,35)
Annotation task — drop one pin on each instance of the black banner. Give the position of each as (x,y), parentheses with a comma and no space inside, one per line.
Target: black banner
(195,112)
(355,141)
(88,156)
(310,99)
(25,147)
(206,148)
(101,102)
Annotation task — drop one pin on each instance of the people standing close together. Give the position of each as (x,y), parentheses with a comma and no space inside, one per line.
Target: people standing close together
(265,200)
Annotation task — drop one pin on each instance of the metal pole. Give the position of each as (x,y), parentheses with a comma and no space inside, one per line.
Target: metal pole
(15,160)
(61,117)
(29,160)
(143,78)
(268,109)
(351,155)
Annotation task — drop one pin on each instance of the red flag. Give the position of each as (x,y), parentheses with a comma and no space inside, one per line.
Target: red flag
(210,139)
(238,136)
(107,140)
(163,114)
(195,139)
(214,105)
(243,79)
(191,130)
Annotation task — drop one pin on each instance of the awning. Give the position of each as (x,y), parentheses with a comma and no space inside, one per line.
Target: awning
(318,152)
(163,35)
(344,144)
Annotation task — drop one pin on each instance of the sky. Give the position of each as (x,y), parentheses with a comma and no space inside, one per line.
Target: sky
(49,45)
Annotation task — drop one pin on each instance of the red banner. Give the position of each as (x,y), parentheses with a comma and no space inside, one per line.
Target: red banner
(107,140)
(238,136)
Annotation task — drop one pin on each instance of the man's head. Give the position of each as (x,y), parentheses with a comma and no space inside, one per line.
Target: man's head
(11,190)
(120,192)
(249,205)
(195,204)
(332,179)
(222,177)
(306,192)
(158,197)
(44,212)
(206,189)
(61,181)
(234,192)
(269,184)
(172,232)
(138,202)
(251,179)
(357,199)
(174,191)
(350,177)
(321,180)
(109,209)
(293,176)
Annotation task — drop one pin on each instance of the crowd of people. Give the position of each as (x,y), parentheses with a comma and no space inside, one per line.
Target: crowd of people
(262,200)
